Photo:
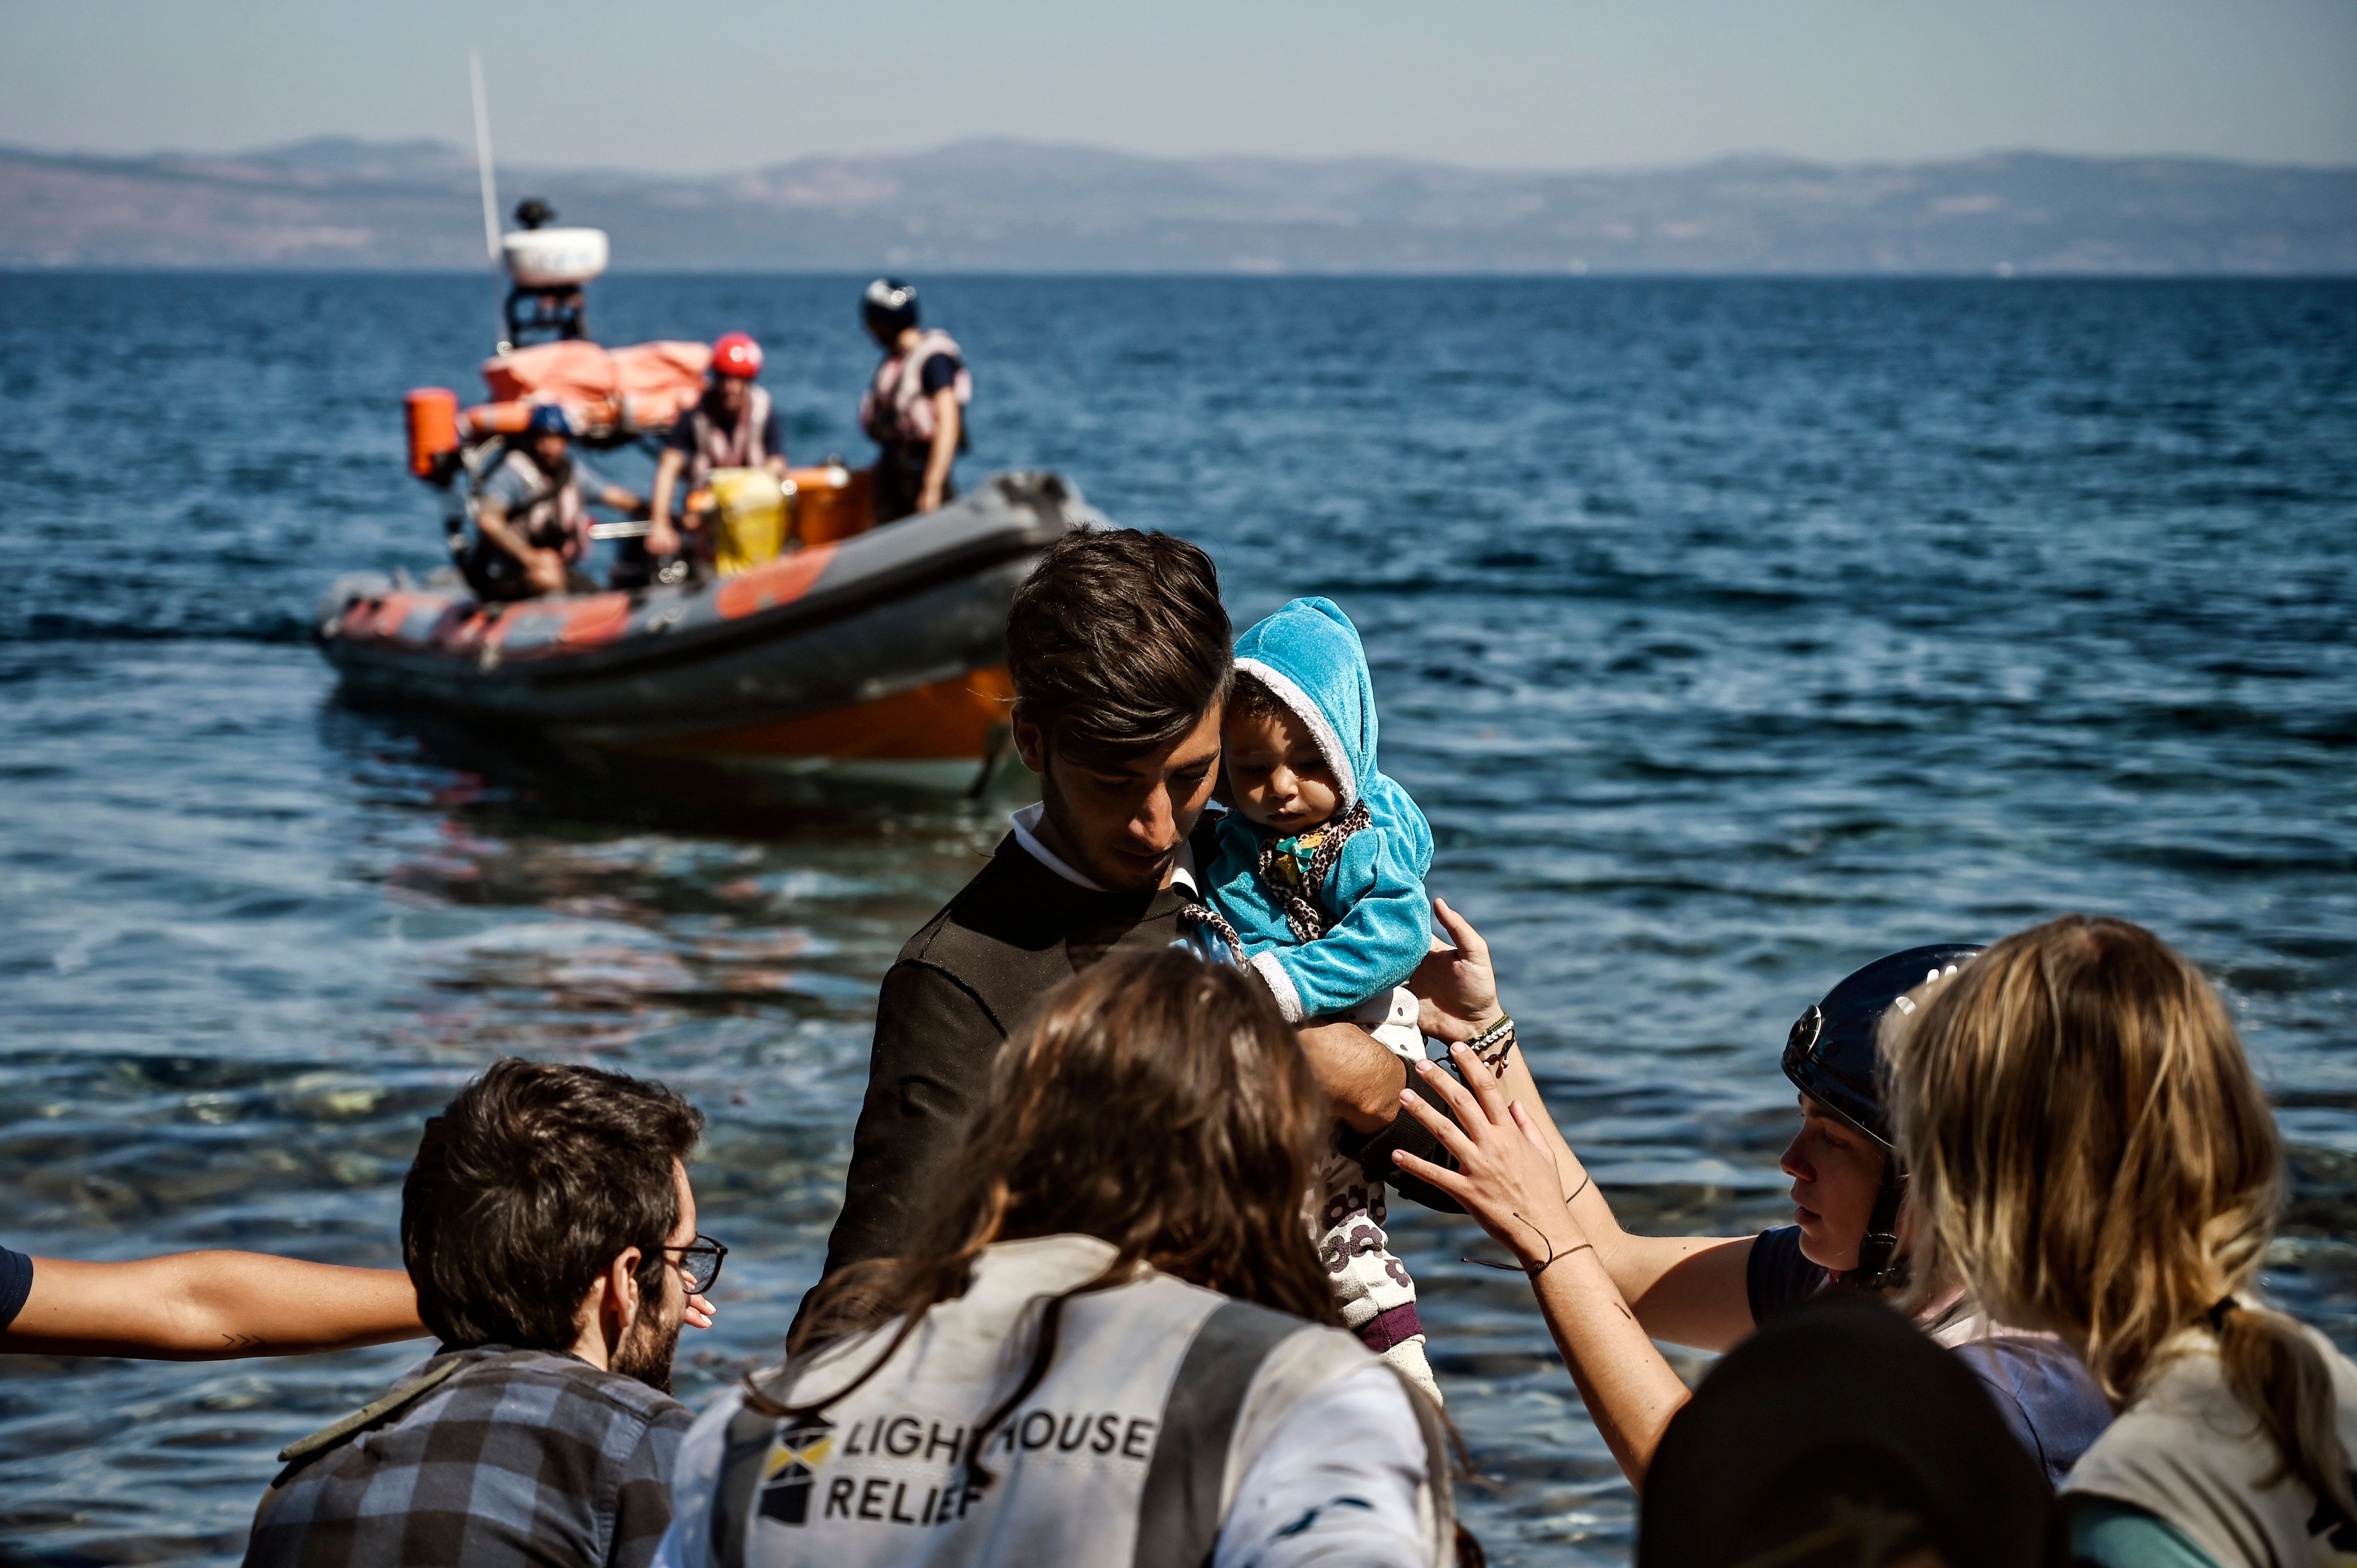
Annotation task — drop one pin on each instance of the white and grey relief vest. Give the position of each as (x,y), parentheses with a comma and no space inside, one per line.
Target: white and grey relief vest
(1128,1454)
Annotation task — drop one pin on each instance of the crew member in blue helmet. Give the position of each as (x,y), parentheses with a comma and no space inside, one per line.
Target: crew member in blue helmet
(1608,1295)
(531,522)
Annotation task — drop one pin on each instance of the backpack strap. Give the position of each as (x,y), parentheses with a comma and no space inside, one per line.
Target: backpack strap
(746,1448)
(303,1450)
(1180,1511)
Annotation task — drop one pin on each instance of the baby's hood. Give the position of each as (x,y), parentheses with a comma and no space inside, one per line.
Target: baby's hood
(1308,653)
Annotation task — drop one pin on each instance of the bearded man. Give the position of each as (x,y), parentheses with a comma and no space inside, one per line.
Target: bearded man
(550,1231)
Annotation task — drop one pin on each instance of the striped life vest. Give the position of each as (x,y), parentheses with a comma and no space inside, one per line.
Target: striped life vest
(1128,1454)
(553,519)
(895,410)
(720,446)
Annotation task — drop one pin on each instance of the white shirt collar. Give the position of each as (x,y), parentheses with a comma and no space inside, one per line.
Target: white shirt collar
(1026,823)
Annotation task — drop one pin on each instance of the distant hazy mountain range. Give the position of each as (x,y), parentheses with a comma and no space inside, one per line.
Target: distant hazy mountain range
(1013,206)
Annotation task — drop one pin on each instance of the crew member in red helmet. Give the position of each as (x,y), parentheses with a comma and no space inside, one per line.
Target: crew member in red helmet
(733,426)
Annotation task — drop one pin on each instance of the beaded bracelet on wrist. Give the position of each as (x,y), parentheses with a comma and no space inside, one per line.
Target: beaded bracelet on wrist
(1494,1045)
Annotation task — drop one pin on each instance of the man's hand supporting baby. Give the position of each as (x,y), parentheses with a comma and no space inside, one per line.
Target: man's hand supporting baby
(1460,998)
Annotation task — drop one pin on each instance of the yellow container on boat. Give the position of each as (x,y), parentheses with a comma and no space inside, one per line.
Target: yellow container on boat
(750,505)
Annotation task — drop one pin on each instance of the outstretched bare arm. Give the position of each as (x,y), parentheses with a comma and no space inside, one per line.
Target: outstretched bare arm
(204,1307)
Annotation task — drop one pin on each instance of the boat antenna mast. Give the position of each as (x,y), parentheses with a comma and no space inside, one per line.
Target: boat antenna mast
(543,267)
(483,170)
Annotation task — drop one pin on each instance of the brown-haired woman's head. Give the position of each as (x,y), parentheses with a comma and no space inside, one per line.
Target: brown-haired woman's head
(1159,1103)
(2091,1152)
(1162,1104)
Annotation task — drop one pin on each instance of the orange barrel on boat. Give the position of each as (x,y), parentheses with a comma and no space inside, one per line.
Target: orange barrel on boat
(432,416)
(832,502)
(499,418)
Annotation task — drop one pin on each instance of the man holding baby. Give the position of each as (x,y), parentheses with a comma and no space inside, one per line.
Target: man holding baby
(1124,668)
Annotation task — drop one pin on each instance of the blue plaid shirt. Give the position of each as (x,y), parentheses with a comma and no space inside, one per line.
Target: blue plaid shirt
(488,1457)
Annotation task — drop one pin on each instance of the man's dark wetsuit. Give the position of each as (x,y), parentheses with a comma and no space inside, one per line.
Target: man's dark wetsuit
(970,977)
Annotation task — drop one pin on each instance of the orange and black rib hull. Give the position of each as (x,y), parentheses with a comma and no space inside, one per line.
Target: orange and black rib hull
(882,652)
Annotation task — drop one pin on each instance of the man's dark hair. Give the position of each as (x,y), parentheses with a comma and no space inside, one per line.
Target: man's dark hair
(526,1186)
(1117,642)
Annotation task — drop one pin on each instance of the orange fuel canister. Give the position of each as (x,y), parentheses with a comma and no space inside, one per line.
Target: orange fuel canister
(831,502)
(432,416)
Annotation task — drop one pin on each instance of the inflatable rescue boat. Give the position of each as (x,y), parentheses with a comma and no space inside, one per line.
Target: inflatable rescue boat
(808,639)
(882,654)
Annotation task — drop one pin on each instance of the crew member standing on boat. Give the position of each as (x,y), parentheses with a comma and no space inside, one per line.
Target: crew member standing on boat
(531,524)
(914,409)
(733,426)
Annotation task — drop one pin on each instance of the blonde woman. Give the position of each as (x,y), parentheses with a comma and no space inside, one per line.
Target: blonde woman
(2091,1153)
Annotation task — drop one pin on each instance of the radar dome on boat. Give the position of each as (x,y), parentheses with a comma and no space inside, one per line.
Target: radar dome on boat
(551,258)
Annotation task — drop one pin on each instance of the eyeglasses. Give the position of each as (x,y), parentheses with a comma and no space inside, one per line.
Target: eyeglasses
(699,1263)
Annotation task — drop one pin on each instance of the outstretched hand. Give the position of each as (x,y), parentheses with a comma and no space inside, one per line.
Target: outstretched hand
(1456,987)
(1506,1175)
(1508,1180)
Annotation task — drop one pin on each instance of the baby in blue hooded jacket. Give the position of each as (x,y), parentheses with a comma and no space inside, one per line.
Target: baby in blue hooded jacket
(1319,875)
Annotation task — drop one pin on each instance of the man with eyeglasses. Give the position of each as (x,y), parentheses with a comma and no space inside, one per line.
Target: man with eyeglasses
(549,1229)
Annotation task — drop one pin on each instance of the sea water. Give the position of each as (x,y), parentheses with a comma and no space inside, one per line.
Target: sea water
(1730,634)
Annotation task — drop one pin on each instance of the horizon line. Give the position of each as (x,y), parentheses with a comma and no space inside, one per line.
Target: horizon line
(1987,276)
(906,154)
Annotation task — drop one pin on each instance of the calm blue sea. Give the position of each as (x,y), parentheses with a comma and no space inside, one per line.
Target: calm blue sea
(1730,633)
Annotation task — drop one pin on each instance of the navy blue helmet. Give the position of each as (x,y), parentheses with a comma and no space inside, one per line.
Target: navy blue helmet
(889,307)
(1830,1053)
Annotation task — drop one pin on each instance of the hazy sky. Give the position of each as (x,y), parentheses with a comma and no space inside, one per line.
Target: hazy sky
(704,87)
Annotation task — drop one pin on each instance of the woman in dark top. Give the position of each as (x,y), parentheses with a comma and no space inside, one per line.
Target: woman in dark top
(1608,1295)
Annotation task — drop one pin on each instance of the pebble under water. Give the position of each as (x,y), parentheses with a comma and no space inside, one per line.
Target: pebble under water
(1730,634)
